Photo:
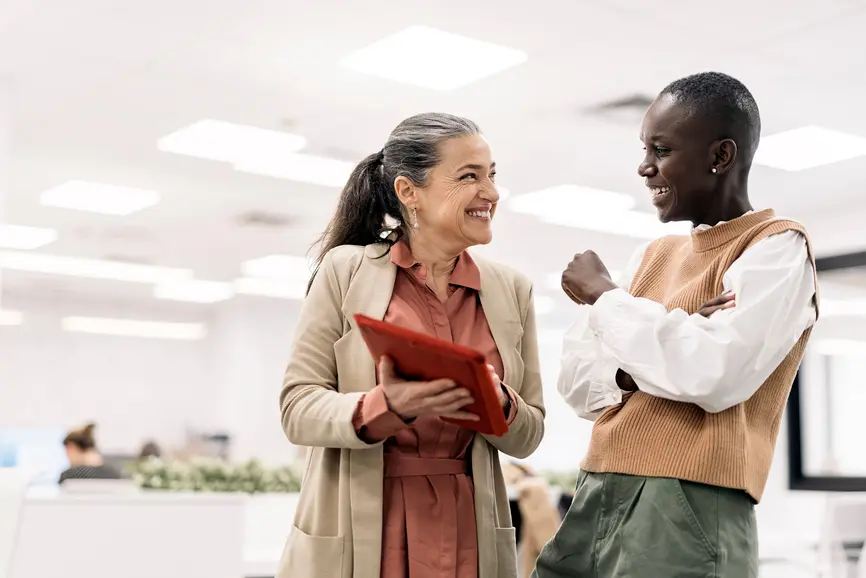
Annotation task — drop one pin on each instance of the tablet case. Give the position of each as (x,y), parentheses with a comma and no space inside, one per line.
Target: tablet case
(420,357)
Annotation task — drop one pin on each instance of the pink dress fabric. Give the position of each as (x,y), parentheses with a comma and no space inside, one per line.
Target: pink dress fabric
(428,522)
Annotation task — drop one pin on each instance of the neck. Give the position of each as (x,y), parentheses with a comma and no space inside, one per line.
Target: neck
(439,261)
(91,458)
(727,205)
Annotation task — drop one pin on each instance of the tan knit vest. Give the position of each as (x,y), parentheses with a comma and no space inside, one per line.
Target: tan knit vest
(650,436)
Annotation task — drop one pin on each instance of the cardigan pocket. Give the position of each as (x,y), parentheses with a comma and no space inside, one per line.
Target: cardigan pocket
(307,556)
(506,552)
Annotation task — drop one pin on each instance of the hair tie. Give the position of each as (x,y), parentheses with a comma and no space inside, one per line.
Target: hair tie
(380,157)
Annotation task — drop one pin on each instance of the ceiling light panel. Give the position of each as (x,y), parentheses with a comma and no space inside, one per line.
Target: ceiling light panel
(194,291)
(89,268)
(570,199)
(627,224)
(280,267)
(9,318)
(99,198)
(25,238)
(432,58)
(808,147)
(231,143)
(273,288)
(302,168)
(593,210)
(134,328)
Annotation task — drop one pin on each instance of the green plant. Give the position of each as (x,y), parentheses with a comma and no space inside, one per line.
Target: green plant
(214,475)
(564,481)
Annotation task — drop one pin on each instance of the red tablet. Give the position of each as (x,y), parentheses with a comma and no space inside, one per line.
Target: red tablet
(419,357)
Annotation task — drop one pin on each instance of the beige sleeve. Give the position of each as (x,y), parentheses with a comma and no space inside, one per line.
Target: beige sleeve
(314,412)
(525,432)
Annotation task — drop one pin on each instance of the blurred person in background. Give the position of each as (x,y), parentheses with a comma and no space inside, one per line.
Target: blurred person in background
(538,513)
(150,450)
(390,489)
(687,368)
(85,461)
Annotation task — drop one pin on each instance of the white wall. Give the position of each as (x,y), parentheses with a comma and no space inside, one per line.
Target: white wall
(136,389)
(133,388)
(249,350)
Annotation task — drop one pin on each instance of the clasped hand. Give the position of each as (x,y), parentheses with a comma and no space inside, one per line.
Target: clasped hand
(440,397)
(586,278)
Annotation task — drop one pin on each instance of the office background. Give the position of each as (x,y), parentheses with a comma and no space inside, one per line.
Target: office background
(166,166)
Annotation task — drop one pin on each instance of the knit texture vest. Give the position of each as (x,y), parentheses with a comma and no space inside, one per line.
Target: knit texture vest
(650,436)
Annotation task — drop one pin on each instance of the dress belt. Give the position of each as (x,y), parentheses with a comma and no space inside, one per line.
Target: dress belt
(399,465)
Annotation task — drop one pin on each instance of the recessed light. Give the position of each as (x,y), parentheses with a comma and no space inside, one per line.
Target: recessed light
(194,291)
(99,198)
(627,224)
(227,142)
(593,210)
(273,288)
(570,199)
(281,267)
(89,268)
(808,147)
(134,328)
(432,58)
(26,238)
(9,318)
(299,167)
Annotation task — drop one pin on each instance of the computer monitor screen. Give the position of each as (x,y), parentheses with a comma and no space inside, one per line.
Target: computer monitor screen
(38,451)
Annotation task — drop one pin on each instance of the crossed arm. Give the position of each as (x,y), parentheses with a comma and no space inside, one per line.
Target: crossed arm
(716,358)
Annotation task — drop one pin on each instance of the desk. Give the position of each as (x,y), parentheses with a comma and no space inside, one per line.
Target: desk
(141,535)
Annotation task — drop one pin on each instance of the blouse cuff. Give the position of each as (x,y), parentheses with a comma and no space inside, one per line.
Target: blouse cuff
(373,420)
(511,406)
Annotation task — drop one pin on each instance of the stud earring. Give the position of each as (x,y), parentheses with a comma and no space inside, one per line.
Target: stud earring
(414,217)
(713,170)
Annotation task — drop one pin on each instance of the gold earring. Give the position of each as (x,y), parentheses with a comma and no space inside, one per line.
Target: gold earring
(414,217)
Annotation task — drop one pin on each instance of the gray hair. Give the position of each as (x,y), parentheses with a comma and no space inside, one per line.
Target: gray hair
(369,197)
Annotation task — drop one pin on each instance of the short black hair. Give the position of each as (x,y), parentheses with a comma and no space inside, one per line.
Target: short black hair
(724,100)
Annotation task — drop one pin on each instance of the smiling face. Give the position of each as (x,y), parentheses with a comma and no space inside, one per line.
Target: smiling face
(457,204)
(680,154)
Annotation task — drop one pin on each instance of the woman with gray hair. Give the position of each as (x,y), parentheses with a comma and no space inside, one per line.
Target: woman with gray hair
(390,489)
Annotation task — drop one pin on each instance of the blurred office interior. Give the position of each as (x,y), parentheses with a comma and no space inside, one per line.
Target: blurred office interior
(165,168)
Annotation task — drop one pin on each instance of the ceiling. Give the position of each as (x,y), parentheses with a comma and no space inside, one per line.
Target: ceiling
(94,85)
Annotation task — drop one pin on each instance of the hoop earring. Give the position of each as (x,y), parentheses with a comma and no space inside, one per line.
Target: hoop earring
(414,217)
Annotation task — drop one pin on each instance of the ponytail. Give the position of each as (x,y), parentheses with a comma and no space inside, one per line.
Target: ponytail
(366,200)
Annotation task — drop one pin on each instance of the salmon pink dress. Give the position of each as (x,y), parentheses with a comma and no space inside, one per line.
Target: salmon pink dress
(428,522)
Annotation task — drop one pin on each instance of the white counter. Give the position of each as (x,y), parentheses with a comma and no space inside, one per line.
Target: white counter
(134,535)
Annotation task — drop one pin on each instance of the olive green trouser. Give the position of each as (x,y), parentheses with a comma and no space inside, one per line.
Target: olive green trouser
(622,526)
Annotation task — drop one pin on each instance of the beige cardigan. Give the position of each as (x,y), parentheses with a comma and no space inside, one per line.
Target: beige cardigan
(337,529)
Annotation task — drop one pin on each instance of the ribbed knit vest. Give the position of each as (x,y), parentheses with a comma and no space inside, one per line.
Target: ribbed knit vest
(650,436)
